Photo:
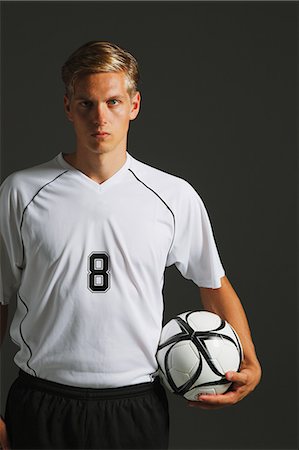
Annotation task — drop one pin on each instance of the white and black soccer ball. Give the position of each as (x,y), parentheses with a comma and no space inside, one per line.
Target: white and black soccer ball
(196,349)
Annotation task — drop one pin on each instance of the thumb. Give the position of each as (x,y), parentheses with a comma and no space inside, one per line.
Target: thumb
(4,441)
(239,378)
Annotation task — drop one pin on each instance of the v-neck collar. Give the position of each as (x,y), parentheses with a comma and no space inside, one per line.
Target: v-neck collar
(99,186)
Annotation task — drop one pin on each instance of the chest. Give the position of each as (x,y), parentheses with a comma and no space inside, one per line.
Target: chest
(123,221)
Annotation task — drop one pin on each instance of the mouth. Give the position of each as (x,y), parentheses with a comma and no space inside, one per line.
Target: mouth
(100,134)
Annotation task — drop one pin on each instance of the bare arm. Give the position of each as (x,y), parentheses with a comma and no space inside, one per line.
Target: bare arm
(226,303)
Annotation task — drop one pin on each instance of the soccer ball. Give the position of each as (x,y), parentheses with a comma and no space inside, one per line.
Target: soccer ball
(196,349)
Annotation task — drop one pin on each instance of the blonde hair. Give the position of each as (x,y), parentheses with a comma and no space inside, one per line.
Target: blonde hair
(96,57)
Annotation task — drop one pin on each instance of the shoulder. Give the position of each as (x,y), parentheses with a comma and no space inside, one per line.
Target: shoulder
(23,184)
(171,188)
(159,179)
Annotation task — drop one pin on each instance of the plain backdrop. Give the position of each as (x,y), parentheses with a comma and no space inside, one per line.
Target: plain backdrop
(218,84)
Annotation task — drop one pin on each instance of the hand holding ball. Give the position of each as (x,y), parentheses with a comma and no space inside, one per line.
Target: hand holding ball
(196,349)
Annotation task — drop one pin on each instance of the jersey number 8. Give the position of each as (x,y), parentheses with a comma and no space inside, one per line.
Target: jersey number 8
(98,275)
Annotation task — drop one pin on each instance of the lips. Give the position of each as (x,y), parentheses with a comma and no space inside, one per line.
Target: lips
(100,134)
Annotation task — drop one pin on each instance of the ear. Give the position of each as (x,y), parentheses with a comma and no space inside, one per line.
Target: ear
(67,107)
(135,105)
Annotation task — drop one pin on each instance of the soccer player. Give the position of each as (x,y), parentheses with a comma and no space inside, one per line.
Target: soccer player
(85,240)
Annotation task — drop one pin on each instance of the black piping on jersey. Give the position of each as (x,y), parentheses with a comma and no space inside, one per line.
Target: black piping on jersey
(161,201)
(27,345)
(49,182)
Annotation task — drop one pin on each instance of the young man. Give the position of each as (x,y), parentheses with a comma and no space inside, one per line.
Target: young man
(85,239)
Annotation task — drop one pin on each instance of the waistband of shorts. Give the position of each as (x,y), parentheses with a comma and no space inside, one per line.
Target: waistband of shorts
(64,390)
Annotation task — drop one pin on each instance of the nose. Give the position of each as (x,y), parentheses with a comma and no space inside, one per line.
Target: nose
(100,116)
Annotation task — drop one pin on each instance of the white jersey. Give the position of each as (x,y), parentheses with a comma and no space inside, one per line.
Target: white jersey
(87,262)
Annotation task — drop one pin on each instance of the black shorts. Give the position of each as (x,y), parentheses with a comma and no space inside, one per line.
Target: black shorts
(42,414)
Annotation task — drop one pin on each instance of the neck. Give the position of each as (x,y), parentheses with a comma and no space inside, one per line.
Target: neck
(97,166)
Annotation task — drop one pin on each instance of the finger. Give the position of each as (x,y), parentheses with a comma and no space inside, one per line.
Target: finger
(4,441)
(239,378)
(228,397)
(212,402)
(5,445)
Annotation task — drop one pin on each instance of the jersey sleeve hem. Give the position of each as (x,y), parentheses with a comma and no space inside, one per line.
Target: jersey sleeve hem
(213,284)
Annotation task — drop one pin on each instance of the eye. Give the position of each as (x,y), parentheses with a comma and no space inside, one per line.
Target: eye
(113,102)
(86,104)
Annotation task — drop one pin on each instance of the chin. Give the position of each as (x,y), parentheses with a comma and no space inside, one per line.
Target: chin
(98,150)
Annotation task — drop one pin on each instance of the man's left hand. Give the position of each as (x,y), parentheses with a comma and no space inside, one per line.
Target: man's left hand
(243,383)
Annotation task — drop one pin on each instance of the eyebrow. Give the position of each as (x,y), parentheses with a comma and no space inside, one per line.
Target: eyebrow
(82,97)
(116,96)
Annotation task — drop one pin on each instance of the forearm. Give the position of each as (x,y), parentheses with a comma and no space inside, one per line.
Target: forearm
(226,303)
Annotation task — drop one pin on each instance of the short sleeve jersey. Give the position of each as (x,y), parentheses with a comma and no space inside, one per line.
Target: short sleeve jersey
(86,262)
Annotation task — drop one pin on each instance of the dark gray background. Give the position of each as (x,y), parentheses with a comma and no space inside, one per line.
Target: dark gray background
(218,109)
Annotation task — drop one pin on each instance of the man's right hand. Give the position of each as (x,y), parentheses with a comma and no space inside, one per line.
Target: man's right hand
(4,442)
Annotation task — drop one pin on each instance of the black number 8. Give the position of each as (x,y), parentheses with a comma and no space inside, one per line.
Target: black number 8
(98,275)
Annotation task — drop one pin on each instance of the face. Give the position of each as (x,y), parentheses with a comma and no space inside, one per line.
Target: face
(101,110)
